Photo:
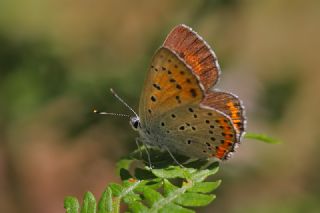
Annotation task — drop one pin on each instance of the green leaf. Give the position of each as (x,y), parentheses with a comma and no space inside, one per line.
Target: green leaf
(173,208)
(89,203)
(71,204)
(129,186)
(205,187)
(196,163)
(173,172)
(201,175)
(213,166)
(131,197)
(116,189)
(168,187)
(123,164)
(154,184)
(105,203)
(262,137)
(151,195)
(137,207)
(194,199)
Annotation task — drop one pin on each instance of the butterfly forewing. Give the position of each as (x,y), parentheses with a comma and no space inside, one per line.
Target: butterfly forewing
(196,53)
(170,84)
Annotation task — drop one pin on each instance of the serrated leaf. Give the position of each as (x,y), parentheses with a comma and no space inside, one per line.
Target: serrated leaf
(116,189)
(173,172)
(131,197)
(151,195)
(154,184)
(205,187)
(89,203)
(105,203)
(137,193)
(129,183)
(168,187)
(262,137)
(71,204)
(173,208)
(137,207)
(203,174)
(194,199)
(197,164)
(213,166)
(129,186)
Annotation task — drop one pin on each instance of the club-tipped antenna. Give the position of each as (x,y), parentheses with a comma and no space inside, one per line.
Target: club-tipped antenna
(109,113)
(122,101)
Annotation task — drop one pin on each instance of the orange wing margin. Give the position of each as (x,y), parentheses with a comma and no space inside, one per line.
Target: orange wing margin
(196,53)
(228,104)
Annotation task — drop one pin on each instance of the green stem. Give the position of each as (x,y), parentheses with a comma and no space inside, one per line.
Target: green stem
(116,200)
(164,201)
(116,205)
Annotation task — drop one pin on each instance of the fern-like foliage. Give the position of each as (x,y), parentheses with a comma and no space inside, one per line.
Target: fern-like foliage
(164,188)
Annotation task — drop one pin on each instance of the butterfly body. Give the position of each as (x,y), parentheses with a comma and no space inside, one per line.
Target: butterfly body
(177,109)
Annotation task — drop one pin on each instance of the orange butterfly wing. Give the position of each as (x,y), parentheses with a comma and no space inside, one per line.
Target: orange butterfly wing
(228,104)
(171,112)
(196,53)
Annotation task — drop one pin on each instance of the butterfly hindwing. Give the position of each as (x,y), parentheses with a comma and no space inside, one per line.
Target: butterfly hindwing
(196,131)
(228,104)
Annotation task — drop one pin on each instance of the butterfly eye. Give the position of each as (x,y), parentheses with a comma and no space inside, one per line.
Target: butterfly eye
(135,122)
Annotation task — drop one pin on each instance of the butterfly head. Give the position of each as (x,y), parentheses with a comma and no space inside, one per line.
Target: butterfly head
(135,122)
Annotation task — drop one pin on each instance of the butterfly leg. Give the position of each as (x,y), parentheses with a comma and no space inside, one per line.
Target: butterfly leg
(139,147)
(175,160)
(147,151)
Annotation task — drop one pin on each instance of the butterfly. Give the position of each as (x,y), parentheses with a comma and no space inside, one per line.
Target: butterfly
(178,110)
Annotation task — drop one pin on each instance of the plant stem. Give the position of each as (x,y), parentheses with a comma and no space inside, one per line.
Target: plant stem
(116,205)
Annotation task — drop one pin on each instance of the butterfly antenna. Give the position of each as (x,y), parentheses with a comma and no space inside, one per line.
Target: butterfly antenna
(122,101)
(109,113)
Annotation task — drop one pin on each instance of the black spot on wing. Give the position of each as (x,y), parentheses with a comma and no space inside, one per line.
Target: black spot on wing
(178,99)
(156,86)
(153,98)
(193,92)
(181,128)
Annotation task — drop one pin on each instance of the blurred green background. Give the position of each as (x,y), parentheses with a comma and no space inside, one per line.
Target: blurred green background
(58,60)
